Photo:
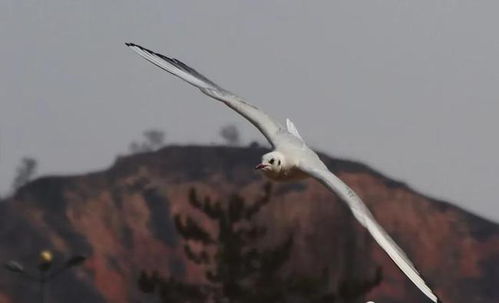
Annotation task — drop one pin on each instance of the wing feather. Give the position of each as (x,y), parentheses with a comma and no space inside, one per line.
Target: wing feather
(365,217)
(292,129)
(268,126)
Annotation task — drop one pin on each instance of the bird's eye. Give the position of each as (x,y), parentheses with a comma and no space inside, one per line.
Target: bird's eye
(271,161)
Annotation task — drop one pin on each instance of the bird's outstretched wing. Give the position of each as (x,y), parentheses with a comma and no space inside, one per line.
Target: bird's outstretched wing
(364,216)
(268,126)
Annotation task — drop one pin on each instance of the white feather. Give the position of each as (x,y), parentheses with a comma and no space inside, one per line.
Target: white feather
(292,129)
(268,126)
(364,216)
(297,154)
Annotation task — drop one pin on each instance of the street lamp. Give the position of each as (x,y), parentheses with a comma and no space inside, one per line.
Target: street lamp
(46,260)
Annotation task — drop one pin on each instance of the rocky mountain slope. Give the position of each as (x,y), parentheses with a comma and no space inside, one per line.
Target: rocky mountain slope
(122,219)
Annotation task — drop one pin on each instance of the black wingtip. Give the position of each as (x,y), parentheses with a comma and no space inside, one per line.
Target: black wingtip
(129,44)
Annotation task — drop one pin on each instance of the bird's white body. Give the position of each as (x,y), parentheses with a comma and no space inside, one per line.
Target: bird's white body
(291,158)
(289,152)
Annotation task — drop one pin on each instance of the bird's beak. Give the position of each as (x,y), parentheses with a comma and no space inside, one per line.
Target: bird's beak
(261,165)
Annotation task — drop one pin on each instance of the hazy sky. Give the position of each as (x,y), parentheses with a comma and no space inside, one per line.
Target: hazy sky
(408,87)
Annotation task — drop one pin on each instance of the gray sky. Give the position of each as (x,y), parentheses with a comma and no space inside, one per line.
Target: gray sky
(408,87)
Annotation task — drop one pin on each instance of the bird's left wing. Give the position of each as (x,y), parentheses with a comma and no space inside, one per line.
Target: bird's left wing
(268,126)
(364,216)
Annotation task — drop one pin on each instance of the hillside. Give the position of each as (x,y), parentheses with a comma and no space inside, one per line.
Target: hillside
(122,219)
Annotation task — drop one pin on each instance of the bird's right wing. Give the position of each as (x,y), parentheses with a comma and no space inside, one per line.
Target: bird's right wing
(364,216)
(268,126)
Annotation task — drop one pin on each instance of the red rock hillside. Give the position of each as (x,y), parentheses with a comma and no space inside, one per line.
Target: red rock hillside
(121,218)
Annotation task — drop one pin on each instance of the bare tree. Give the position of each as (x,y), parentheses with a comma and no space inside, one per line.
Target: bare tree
(154,139)
(25,172)
(230,133)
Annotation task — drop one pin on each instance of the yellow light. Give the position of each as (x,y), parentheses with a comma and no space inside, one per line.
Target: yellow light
(46,256)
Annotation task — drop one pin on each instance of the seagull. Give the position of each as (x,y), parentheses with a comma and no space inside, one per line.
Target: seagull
(291,158)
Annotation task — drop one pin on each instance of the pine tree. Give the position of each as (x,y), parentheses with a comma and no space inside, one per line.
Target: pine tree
(236,270)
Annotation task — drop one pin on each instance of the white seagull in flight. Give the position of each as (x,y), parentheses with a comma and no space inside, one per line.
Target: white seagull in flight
(291,158)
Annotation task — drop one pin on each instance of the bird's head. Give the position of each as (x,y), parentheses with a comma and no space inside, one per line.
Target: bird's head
(272,164)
